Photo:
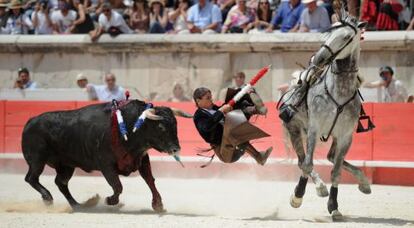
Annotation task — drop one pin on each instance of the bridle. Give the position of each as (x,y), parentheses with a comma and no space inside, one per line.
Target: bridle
(334,54)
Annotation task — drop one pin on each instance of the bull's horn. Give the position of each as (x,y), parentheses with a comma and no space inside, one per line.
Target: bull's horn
(178,112)
(150,114)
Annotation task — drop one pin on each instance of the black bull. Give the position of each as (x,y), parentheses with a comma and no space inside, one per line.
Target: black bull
(82,138)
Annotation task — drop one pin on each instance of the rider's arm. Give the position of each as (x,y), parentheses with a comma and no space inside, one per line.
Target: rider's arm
(376,84)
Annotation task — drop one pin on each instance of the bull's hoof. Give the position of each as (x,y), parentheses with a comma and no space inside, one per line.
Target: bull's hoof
(111,200)
(336,216)
(158,207)
(91,202)
(322,190)
(364,188)
(295,202)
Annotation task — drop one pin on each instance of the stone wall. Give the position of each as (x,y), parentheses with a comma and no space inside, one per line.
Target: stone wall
(150,64)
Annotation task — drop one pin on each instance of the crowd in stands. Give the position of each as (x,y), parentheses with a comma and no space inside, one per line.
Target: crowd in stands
(115,17)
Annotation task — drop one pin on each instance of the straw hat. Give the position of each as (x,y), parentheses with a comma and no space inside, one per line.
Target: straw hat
(81,77)
(307,1)
(156,1)
(4,3)
(15,4)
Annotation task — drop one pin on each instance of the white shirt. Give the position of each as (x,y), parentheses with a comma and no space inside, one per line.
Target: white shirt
(395,92)
(116,21)
(104,94)
(63,22)
(42,26)
(19,25)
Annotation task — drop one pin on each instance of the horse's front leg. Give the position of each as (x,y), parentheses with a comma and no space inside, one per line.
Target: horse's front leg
(307,165)
(343,146)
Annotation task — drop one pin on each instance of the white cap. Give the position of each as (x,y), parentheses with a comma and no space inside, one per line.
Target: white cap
(307,1)
(81,77)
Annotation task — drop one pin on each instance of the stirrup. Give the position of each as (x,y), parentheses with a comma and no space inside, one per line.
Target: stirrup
(361,128)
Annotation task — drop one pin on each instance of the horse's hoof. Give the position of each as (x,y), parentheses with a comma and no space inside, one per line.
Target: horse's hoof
(336,215)
(295,202)
(91,202)
(110,200)
(364,188)
(322,190)
(48,202)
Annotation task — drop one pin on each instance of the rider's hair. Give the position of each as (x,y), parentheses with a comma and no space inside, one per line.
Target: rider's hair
(199,93)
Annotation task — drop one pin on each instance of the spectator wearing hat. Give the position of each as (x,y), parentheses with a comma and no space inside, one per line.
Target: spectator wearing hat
(41,18)
(394,90)
(23,80)
(158,17)
(204,17)
(4,15)
(240,19)
(82,82)
(63,18)
(110,22)
(18,22)
(314,18)
(139,16)
(287,16)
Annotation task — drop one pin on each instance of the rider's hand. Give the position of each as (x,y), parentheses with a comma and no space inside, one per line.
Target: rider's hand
(225,108)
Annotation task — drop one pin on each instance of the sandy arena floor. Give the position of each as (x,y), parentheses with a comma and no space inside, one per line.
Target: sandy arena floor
(201,203)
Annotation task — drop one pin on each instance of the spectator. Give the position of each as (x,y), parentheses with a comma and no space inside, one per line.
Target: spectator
(288,15)
(369,13)
(239,80)
(81,81)
(394,90)
(204,17)
(178,94)
(411,25)
(109,91)
(63,18)
(158,17)
(4,15)
(41,18)
(314,18)
(23,80)
(110,22)
(225,6)
(240,19)
(94,8)
(263,18)
(83,23)
(388,15)
(178,17)
(18,22)
(139,16)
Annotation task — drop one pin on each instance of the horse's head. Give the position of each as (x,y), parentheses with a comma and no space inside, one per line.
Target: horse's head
(341,40)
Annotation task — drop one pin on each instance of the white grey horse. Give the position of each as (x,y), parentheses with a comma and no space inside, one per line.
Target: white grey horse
(329,107)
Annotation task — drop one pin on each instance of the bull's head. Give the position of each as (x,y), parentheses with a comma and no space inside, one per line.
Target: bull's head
(162,127)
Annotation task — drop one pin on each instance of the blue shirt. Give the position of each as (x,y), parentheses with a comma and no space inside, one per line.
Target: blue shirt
(205,16)
(287,16)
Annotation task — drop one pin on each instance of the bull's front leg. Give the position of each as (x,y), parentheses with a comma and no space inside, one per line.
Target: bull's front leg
(146,173)
(112,178)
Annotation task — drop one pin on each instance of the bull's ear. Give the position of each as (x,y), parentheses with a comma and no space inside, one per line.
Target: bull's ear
(178,112)
(150,114)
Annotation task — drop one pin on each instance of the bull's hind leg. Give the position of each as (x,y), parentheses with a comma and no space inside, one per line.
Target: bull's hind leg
(146,173)
(112,178)
(363,182)
(32,177)
(63,176)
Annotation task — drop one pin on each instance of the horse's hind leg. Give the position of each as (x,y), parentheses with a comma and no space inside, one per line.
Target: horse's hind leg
(64,173)
(363,182)
(32,177)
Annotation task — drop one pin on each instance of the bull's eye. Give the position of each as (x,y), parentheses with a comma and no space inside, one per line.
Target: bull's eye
(161,127)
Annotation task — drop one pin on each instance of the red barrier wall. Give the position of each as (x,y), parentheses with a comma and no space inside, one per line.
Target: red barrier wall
(391,140)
